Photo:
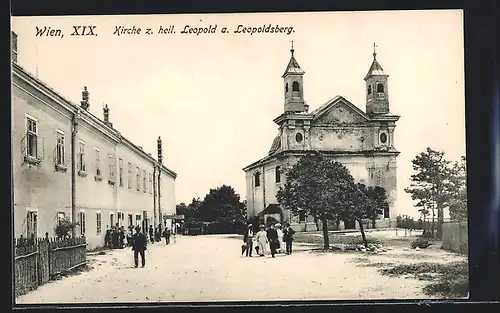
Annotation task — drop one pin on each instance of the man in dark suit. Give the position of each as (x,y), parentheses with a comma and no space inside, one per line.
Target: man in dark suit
(248,240)
(139,245)
(288,238)
(272,236)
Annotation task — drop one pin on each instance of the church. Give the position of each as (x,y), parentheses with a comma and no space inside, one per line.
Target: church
(361,140)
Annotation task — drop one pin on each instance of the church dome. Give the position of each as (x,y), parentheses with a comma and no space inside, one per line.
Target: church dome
(276,144)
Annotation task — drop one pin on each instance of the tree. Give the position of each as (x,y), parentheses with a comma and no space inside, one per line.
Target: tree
(190,212)
(223,209)
(379,196)
(64,228)
(432,184)
(320,186)
(458,202)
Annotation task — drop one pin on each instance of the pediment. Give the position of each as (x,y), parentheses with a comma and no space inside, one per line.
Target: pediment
(339,111)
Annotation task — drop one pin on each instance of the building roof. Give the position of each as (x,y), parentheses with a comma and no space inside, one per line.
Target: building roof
(68,104)
(276,144)
(293,66)
(375,68)
(272,208)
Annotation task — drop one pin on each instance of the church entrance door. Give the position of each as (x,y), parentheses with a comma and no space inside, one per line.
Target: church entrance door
(350,224)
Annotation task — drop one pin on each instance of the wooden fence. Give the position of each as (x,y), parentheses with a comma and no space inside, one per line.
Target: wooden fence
(38,262)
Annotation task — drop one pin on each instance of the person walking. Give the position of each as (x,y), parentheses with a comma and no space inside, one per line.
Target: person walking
(262,241)
(151,234)
(288,238)
(139,245)
(281,243)
(248,240)
(272,236)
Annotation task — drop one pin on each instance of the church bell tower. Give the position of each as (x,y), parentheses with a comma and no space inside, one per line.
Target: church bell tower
(377,93)
(294,86)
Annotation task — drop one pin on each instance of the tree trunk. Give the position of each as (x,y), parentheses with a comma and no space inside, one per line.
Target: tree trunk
(439,230)
(326,240)
(361,228)
(433,221)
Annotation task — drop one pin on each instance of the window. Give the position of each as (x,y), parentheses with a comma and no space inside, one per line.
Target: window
(60,217)
(299,137)
(111,166)
(380,87)
(144,183)
(138,178)
(137,220)
(150,183)
(60,157)
(32,224)
(286,87)
(383,138)
(278,174)
(97,162)
(32,137)
(295,86)
(98,223)
(257,179)
(81,157)
(130,221)
(120,165)
(112,219)
(81,220)
(129,175)
(369,89)
(120,218)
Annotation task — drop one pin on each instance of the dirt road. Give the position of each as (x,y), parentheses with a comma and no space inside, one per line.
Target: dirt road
(211,268)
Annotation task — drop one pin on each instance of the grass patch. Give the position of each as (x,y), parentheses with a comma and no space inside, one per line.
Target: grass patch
(333,238)
(449,280)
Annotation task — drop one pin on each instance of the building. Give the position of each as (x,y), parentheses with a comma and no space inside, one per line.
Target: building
(69,163)
(361,140)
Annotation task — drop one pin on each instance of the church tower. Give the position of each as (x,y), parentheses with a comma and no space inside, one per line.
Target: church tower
(377,93)
(294,86)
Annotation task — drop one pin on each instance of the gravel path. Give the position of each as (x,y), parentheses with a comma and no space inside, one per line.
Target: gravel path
(210,268)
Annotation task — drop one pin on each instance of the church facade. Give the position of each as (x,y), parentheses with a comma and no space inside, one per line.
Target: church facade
(361,140)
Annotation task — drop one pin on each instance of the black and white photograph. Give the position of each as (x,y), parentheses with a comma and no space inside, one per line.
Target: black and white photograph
(176,158)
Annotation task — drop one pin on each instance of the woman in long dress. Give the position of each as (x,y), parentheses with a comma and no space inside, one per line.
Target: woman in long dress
(262,241)
(280,238)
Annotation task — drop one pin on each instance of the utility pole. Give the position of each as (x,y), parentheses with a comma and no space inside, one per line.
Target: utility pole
(160,162)
(155,220)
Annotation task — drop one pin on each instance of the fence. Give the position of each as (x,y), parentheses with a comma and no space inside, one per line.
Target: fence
(38,262)
(455,237)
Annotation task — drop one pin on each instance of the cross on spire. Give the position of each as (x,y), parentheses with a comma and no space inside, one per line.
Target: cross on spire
(374,52)
(292,50)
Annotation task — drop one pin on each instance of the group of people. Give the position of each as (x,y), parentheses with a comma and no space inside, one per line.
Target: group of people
(117,237)
(275,237)
(155,234)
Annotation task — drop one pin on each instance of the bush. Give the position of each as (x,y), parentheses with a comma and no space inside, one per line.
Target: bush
(64,228)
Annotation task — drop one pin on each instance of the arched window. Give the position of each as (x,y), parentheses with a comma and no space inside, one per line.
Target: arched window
(278,174)
(295,86)
(286,87)
(369,89)
(257,179)
(380,87)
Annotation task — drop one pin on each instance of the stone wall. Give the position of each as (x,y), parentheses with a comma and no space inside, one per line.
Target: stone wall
(455,237)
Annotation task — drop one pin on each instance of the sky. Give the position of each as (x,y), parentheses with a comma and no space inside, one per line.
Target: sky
(212,97)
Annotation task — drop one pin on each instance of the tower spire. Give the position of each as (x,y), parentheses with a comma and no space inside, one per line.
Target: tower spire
(292,50)
(374,51)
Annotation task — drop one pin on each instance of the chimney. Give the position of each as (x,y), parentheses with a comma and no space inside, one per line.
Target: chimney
(85,99)
(160,151)
(106,116)
(306,107)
